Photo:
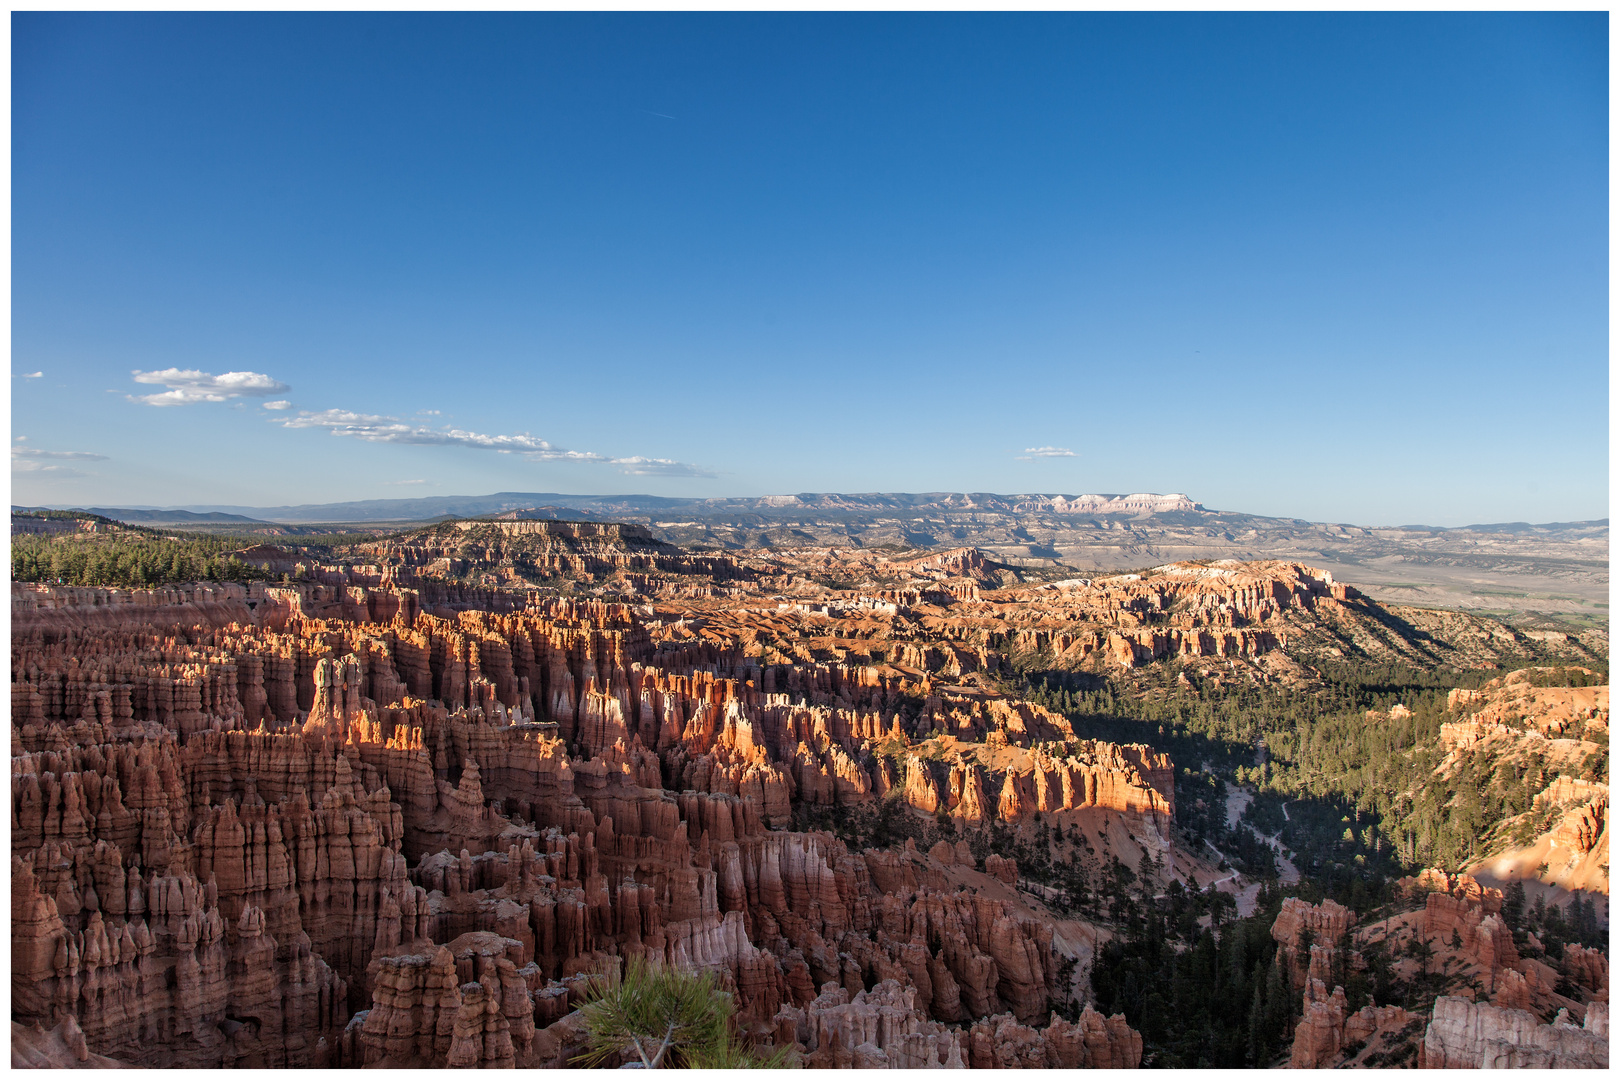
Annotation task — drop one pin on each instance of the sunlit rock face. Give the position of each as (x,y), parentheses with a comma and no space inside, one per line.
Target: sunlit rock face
(1470,1035)
(402,810)
(344,827)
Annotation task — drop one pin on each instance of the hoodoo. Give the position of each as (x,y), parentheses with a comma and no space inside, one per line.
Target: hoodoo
(414,809)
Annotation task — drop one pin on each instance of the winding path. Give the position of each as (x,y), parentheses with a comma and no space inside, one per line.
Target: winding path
(1237,801)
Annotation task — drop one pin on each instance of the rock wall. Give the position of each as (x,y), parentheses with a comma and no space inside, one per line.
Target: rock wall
(1470,913)
(1327,923)
(1327,1029)
(1467,1035)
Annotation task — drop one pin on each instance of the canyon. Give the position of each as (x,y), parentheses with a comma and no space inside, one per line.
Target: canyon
(406,807)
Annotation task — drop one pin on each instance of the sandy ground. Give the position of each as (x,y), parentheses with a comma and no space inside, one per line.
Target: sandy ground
(1497,876)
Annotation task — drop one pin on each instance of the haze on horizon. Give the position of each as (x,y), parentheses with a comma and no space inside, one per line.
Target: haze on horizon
(1342,267)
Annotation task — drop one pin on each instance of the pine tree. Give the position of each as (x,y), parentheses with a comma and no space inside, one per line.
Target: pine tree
(1513,904)
(662,1017)
(1279,1009)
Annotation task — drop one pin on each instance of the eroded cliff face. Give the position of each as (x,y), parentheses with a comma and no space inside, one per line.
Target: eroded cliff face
(400,810)
(1328,1032)
(1312,936)
(1550,734)
(886,1027)
(277,840)
(1469,1035)
(1507,1010)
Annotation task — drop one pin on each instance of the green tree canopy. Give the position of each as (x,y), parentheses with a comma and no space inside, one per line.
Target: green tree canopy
(663,1018)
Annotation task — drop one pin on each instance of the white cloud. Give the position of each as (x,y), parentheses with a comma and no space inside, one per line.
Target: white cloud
(1033,452)
(372,427)
(30,375)
(191,387)
(391,429)
(645,466)
(53,472)
(61,455)
(27,459)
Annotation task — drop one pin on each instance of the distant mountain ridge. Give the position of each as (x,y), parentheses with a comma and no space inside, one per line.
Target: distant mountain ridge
(421,509)
(145,515)
(1556,569)
(425,508)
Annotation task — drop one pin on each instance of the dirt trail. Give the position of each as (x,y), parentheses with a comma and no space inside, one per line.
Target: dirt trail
(1237,801)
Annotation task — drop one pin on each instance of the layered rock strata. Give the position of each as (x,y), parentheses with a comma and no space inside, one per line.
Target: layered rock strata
(1328,1029)
(1469,1035)
(285,841)
(1311,935)
(1461,931)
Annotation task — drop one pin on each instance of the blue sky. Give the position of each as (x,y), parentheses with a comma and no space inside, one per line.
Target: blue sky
(1341,267)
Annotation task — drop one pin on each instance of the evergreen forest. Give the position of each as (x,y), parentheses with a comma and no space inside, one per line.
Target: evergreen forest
(128,556)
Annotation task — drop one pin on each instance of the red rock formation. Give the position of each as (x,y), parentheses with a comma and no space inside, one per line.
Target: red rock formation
(1512,990)
(1002,869)
(1514,723)
(1588,968)
(1320,1033)
(886,1027)
(1469,911)
(1093,1043)
(1327,1029)
(877,1028)
(416,1001)
(109,976)
(232,833)
(1368,1022)
(1327,922)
